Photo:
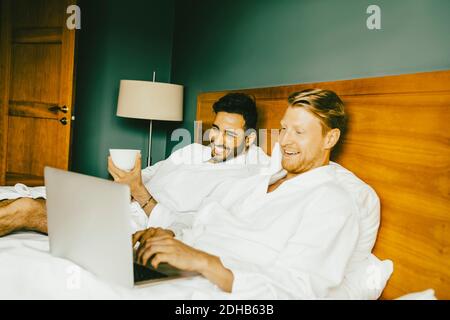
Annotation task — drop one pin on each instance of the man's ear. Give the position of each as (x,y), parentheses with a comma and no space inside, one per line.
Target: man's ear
(332,138)
(250,138)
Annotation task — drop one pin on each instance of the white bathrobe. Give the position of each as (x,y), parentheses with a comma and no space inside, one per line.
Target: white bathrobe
(294,242)
(179,184)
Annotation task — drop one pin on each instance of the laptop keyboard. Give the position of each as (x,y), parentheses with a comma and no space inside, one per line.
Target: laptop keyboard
(142,273)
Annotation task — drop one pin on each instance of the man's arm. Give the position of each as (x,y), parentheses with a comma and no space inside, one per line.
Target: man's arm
(145,199)
(216,272)
(166,249)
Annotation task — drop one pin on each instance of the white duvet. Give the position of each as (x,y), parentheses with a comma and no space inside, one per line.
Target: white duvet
(28,271)
(238,232)
(294,243)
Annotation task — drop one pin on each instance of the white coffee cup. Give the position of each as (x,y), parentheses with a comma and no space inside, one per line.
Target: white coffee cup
(124,159)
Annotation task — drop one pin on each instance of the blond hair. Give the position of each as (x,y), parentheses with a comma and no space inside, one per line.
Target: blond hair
(324,104)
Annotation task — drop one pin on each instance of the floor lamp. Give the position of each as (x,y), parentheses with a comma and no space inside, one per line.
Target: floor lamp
(151,101)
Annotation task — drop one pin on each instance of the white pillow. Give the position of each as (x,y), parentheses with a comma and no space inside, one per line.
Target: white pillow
(422,295)
(365,282)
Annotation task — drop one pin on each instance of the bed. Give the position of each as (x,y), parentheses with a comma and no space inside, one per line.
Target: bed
(398,141)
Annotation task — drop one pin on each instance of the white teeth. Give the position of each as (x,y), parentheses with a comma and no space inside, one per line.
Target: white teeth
(290,153)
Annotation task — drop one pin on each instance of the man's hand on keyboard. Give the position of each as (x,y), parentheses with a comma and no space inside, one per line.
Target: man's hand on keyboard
(143,235)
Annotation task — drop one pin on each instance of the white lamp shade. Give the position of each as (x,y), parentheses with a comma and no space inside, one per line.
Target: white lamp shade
(150,100)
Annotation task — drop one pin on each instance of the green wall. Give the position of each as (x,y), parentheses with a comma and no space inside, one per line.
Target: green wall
(118,40)
(254,43)
(209,45)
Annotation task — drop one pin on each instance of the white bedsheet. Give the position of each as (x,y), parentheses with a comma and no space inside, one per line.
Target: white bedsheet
(29,271)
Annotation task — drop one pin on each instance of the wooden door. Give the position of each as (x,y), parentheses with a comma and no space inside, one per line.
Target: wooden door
(36,88)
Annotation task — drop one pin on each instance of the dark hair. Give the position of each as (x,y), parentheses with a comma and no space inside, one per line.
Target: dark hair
(239,103)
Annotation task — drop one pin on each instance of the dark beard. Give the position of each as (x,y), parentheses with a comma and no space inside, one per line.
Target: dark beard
(238,150)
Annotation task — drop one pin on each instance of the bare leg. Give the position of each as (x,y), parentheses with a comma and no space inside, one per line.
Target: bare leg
(23,214)
(4,203)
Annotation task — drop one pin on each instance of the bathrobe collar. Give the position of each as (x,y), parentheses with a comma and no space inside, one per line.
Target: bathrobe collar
(275,171)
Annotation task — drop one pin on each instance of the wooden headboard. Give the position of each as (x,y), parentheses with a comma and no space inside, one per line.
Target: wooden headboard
(399,143)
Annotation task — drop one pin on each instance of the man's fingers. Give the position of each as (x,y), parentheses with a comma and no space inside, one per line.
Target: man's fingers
(113,174)
(119,173)
(137,165)
(164,239)
(150,251)
(115,177)
(143,248)
(148,237)
(146,255)
(143,235)
(137,236)
(112,169)
(148,234)
(140,251)
(160,258)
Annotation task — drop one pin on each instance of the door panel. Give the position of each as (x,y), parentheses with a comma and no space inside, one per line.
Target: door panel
(37,64)
(35,73)
(39,13)
(31,135)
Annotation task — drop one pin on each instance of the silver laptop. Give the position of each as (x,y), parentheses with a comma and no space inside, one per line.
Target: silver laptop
(89,223)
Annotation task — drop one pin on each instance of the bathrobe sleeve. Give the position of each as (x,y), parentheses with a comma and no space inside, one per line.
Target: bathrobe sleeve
(313,261)
(139,219)
(163,217)
(148,172)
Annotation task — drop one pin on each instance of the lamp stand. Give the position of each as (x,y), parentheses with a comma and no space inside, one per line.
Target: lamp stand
(149,159)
